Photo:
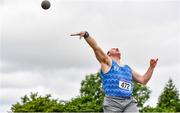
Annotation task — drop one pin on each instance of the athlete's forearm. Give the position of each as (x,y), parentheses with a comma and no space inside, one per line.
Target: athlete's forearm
(100,55)
(147,76)
(92,43)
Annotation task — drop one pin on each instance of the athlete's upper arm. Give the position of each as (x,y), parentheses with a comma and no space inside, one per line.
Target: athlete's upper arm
(137,77)
(101,56)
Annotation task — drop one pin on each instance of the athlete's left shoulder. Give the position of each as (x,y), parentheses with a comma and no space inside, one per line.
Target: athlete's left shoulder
(127,66)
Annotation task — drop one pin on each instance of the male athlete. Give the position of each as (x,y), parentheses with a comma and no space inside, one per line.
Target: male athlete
(117,79)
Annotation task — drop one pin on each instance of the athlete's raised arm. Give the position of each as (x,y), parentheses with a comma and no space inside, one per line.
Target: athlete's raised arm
(146,77)
(101,56)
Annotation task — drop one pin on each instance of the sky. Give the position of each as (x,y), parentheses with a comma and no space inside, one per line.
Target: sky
(38,55)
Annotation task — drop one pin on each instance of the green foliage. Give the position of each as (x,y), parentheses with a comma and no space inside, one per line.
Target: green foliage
(169,99)
(91,86)
(148,109)
(36,103)
(82,104)
(141,94)
(91,96)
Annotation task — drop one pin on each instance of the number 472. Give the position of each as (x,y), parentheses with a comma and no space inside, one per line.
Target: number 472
(125,85)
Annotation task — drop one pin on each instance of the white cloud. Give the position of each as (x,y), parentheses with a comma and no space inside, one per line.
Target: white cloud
(61,84)
(20,79)
(4,108)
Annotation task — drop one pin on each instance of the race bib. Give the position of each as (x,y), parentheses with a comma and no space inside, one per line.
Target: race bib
(125,85)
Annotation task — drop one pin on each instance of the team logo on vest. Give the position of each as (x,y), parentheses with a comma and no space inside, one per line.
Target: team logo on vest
(116,68)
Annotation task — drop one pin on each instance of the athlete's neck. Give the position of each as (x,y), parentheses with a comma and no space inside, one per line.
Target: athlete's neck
(117,60)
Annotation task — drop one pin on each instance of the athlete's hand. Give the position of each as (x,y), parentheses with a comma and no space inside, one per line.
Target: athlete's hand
(80,34)
(153,63)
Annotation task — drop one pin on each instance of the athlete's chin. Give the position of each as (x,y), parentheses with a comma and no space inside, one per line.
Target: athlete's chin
(119,55)
(119,58)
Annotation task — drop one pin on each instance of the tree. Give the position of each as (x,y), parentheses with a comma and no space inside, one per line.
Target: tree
(81,104)
(35,103)
(148,109)
(141,93)
(92,87)
(169,99)
(91,96)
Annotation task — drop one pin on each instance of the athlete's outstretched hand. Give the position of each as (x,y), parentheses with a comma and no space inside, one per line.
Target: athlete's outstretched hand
(81,34)
(153,63)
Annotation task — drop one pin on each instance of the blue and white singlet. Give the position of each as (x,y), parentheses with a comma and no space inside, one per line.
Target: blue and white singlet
(117,82)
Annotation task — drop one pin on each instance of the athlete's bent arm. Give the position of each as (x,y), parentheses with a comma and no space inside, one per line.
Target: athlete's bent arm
(146,77)
(99,53)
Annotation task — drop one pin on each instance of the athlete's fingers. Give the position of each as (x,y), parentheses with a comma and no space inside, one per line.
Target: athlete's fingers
(153,60)
(75,34)
(156,59)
